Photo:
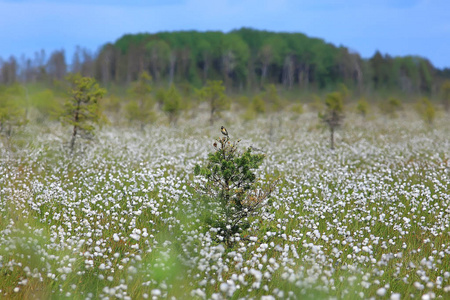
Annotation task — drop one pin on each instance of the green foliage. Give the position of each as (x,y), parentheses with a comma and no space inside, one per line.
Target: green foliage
(242,59)
(333,114)
(272,98)
(112,104)
(362,107)
(140,108)
(390,106)
(173,104)
(345,92)
(426,110)
(317,103)
(82,109)
(12,112)
(142,87)
(214,93)
(297,108)
(46,104)
(231,190)
(258,105)
(445,94)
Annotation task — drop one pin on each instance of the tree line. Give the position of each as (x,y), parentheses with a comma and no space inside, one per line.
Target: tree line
(242,59)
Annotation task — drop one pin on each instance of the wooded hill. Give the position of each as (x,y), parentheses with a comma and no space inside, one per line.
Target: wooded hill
(243,59)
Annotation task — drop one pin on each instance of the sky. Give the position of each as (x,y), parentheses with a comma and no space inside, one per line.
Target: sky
(395,27)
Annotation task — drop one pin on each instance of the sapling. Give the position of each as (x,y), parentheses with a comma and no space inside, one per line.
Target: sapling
(231,191)
(333,114)
(214,93)
(362,107)
(82,109)
(172,104)
(140,108)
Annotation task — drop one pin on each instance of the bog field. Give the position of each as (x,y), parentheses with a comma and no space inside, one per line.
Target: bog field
(119,217)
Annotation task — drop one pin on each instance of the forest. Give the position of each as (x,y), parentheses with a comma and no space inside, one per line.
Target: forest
(244,59)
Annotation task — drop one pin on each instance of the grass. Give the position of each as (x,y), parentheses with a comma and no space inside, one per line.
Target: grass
(120,218)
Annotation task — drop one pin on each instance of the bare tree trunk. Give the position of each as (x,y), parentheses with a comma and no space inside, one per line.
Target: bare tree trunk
(288,71)
(205,68)
(263,74)
(72,141)
(172,62)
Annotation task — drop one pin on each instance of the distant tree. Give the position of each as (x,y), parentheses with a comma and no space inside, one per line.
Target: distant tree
(258,105)
(105,63)
(172,104)
(381,67)
(333,114)
(214,93)
(8,71)
(204,57)
(297,109)
(82,109)
(235,55)
(12,108)
(159,53)
(426,110)
(56,65)
(160,95)
(272,98)
(445,91)
(362,107)
(140,108)
(112,105)
(317,103)
(46,104)
(274,105)
(390,106)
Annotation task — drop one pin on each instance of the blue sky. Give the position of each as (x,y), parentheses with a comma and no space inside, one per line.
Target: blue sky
(397,27)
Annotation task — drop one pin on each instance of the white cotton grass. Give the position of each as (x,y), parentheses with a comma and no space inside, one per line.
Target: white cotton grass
(370,219)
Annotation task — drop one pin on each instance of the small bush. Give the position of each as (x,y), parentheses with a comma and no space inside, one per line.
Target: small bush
(333,114)
(426,110)
(362,107)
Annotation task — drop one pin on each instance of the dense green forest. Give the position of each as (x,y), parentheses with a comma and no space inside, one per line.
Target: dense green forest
(244,59)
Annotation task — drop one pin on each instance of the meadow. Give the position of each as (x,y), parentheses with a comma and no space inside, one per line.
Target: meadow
(118,219)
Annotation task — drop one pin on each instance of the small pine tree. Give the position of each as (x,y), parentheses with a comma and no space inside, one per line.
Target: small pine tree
(333,114)
(297,109)
(231,192)
(172,104)
(82,109)
(272,98)
(391,106)
(445,94)
(214,93)
(362,107)
(258,105)
(140,108)
(426,110)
